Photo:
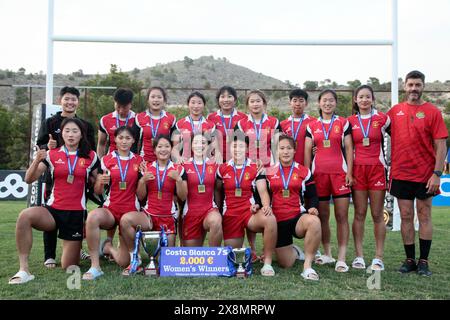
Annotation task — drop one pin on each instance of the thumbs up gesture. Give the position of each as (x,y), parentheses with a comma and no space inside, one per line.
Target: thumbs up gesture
(51,142)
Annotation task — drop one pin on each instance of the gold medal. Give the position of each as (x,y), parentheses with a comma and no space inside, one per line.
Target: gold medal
(366,142)
(70,178)
(285,193)
(238,192)
(201,188)
(123,185)
(326,143)
(257,144)
(159,195)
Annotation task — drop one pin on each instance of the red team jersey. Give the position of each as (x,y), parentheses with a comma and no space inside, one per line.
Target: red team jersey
(64,195)
(233,205)
(166,123)
(329,160)
(122,201)
(268,127)
(164,207)
(200,203)
(413,129)
(234,118)
(286,127)
(110,122)
(288,208)
(373,154)
(184,127)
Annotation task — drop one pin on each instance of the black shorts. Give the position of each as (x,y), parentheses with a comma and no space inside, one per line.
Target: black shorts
(69,223)
(286,230)
(409,190)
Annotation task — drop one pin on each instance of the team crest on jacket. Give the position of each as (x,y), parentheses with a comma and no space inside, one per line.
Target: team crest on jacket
(135,167)
(82,162)
(294,176)
(210,169)
(247,176)
(166,125)
(420,115)
(337,129)
(375,124)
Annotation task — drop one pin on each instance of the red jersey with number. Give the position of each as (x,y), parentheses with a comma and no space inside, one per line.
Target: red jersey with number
(228,124)
(110,122)
(285,208)
(65,195)
(330,160)
(186,128)
(144,122)
(268,127)
(286,127)
(373,154)
(122,200)
(413,129)
(166,205)
(199,203)
(234,205)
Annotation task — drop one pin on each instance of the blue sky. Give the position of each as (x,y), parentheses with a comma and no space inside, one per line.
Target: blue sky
(424,41)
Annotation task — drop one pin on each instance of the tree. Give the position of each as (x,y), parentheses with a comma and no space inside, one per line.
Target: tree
(21,71)
(310,85)
(374,83)
(21,96)
(354,84)
(188,62)
(447,108)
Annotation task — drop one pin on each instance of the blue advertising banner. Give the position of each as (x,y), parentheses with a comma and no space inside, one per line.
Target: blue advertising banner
(194,262)
(444,198)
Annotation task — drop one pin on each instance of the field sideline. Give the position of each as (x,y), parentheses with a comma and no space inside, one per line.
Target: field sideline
(286,285)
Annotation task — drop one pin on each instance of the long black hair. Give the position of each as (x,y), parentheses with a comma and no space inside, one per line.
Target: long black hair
(83,145)
(355,94)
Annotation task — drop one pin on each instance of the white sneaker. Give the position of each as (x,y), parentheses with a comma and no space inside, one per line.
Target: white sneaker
(318,254)
(300,254)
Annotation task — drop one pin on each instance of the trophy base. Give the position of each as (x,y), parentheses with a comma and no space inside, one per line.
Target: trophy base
(150,272)
(241,275)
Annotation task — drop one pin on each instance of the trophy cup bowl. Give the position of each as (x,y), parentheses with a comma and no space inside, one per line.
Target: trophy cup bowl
(239,259)
(150,242)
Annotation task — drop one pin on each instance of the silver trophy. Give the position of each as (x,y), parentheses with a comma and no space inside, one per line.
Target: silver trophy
(239,260)
(151,243)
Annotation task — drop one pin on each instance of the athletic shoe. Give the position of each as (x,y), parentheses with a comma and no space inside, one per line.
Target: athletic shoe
(408,266)
(300,254)
(422,268)
(84,255)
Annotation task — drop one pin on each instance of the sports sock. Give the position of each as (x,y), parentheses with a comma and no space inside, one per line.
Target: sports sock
(425,246)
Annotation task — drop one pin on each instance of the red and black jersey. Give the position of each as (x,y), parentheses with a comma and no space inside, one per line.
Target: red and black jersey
(110,122)
(373,153)
(200,200)
(288,205)
(234,205)
(122,200)
(145,121)
(329,158)
(413,129)
(292,129)
(186,127)
(162,204)
(67,195)
(225,126)
(260,149)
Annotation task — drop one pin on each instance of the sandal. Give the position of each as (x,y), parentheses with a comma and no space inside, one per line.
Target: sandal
(310,274)
(324,259)
(377,265)
(358,263)
(21,277)
(300,254)
(267,270)
(50,263)
(126,271)
(94,274)
(341,266)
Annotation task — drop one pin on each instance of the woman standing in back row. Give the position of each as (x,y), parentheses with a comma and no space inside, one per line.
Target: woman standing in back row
(332,169)
(369,170)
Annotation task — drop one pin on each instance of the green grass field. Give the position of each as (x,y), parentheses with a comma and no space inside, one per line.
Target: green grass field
(286,285)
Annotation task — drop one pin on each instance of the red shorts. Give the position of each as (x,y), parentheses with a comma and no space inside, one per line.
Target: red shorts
(331,184)
(168,222)
(369,177)
(118,214)
(234,226)
(193,225)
